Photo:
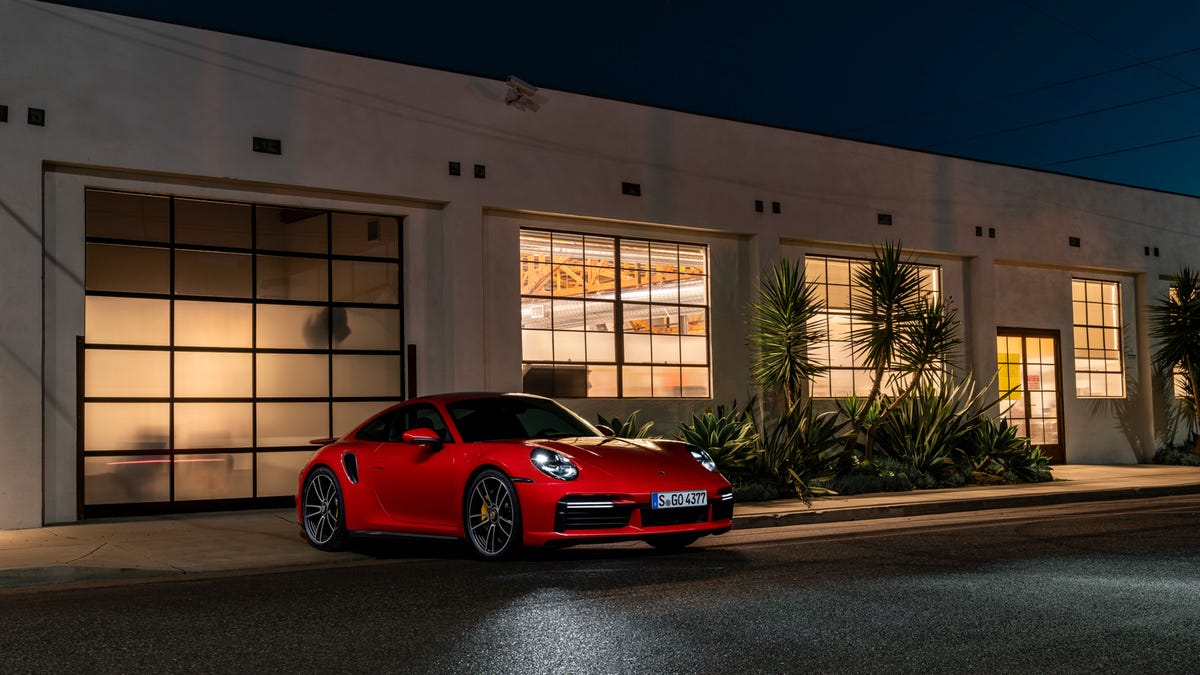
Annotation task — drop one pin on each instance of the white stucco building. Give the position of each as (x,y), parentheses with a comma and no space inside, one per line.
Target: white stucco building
(217,248)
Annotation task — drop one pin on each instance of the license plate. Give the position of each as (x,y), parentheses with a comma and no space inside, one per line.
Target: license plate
(678,500)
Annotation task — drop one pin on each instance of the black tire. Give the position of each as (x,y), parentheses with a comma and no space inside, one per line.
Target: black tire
(492,516)
(673,542)
(324,511)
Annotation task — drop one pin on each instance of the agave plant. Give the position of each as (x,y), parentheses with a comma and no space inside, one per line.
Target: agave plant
(729,437)
(933,426)
(629,427)
(801,448)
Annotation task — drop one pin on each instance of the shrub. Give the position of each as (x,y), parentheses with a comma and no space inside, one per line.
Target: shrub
(1183,454)
(730,438)
(929,429)
(627,428)
(800,449)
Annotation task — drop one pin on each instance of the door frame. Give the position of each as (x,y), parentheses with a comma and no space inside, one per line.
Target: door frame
(1056,335)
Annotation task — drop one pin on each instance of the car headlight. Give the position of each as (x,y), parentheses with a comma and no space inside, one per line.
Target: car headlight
(553,464)
(704,458)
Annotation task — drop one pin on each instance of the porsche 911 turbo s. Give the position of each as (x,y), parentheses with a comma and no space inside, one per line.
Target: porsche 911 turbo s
(506,471)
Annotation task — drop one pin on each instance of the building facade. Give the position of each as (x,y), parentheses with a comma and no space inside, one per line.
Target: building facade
(218,248)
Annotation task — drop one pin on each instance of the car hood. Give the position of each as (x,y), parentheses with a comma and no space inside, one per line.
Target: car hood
(635,460)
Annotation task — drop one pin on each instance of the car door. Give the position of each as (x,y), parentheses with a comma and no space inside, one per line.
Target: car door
(414,482)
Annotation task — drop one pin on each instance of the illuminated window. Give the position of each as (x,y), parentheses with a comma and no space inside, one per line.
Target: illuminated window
(613,316)
(222,336)
(835,282)
(1096,307)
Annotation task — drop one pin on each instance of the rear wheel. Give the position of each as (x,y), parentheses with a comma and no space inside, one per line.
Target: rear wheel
(492,516)
(324,514)
(672,542)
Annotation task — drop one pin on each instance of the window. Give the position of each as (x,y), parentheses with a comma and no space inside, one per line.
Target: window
(835,281)
(613,316)
(1096,307)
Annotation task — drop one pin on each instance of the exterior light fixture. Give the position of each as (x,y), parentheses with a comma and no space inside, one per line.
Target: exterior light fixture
(520,94)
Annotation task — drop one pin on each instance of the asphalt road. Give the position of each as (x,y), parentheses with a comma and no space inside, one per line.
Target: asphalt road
(1111,587)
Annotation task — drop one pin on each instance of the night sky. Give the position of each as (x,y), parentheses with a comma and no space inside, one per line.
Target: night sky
(1105,89)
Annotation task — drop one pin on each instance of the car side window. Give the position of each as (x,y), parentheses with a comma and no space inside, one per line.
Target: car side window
(420,416)
(380,428)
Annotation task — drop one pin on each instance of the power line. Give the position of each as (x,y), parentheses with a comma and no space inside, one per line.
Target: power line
(1063,118)
(933,112)
(1108,44)
(1170,141)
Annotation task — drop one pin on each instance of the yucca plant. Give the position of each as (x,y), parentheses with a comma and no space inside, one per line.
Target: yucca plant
(729,437)
(900,334)
(782,328)
(630,427)
(1175,325)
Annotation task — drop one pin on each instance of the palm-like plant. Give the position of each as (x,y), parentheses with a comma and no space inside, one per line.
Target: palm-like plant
(901,334)
(782,330)
(1175,324)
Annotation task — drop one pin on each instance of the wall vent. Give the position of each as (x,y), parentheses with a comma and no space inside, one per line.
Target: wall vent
(270,146)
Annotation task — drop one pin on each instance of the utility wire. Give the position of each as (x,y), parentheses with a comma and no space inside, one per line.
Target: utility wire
(1169,141)
(1108,44)
(934,112)
(1063,118)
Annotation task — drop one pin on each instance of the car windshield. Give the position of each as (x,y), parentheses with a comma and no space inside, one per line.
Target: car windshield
(515,417)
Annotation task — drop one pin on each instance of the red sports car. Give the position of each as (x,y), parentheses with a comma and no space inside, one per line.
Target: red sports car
(504,471)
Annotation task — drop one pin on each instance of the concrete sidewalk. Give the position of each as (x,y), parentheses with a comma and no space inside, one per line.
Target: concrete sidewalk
(133,549)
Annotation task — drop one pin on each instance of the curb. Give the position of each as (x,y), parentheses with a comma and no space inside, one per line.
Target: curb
(850,513)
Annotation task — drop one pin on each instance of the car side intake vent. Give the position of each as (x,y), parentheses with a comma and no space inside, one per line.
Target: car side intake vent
(350,463)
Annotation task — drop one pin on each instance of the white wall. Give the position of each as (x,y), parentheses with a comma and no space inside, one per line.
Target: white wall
(140,102)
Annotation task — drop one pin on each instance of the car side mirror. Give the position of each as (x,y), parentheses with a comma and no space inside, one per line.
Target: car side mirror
(606,430)
(423,437)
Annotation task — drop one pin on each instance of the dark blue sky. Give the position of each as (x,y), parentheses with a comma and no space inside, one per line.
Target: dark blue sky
(1066,85)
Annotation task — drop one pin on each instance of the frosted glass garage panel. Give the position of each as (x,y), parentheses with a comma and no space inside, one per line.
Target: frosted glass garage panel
(126,426)
(291,229)
(359,375)
(293,375)
(129,269)
(213,425)
(224,275)
(126,479)
(118,215)
(371,329)
(217,476)
(289,278)
(121,373)
(279,472)
(292,327)
(282,424)
(366,235)
(213,324)
(212,223)
(349,414)
(213,375)
(134,321)
(374,282)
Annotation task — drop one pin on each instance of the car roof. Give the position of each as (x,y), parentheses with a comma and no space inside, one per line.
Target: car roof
(453,397)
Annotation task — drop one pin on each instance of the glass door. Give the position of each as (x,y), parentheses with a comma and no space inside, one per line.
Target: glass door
(1030,386)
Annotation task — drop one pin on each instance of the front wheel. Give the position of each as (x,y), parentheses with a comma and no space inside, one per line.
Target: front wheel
(324,515)
(492,516)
